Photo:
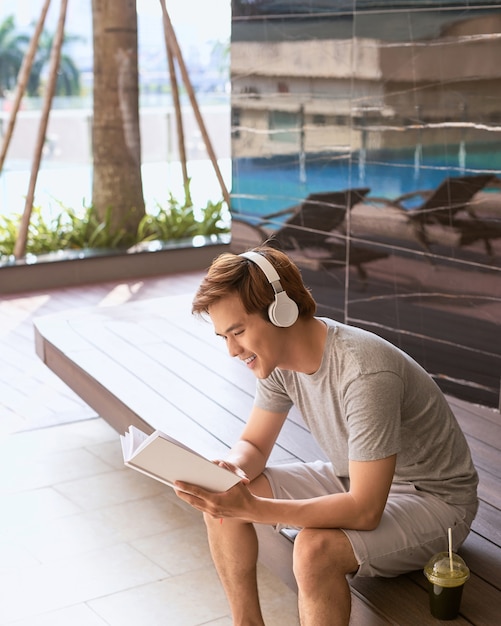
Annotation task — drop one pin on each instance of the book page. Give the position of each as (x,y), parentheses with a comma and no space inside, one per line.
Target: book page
(137,440)
(167,460)
(131,441)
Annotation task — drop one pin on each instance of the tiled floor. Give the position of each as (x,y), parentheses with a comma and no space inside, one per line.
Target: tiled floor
(83,540)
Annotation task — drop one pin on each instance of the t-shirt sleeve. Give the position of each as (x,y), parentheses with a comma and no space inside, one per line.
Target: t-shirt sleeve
(271,394)
(372,404)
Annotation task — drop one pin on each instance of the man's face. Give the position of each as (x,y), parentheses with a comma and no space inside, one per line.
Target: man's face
(249,337)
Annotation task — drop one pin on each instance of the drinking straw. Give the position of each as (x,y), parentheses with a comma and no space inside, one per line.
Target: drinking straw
(449,532)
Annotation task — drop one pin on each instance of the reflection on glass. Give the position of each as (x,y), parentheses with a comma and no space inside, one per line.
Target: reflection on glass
(366,142)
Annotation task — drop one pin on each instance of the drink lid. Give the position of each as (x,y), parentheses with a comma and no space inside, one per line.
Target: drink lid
(439,572)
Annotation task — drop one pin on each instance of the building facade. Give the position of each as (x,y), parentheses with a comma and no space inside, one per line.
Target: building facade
(398,105)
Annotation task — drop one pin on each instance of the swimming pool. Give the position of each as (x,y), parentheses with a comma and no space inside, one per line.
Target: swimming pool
(265,185)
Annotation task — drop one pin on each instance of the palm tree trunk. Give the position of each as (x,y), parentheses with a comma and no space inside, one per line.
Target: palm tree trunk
(116,142)
(22,81)
(55,55)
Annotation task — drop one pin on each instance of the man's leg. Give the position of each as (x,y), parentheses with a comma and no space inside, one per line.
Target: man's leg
(322,559)
(234,550)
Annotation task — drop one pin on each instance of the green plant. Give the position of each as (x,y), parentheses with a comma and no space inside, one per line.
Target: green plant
(181,222)
(12,45)
(212,222)
(8,234)
(42,235)
(72,230)
(68,230)
(88,231)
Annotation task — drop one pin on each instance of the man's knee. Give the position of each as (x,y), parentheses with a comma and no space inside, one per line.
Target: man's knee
(322,552)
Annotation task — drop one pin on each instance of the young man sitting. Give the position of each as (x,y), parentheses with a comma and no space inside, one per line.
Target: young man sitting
(399,472)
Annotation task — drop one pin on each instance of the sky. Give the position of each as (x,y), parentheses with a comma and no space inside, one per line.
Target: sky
(209,19)
(183,10)
(204,15)
(194,20)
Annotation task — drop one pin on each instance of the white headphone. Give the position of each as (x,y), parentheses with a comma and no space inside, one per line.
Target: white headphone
(282,311)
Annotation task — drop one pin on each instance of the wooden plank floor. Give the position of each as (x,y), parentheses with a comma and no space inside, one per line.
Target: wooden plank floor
(150,363)
(30,395)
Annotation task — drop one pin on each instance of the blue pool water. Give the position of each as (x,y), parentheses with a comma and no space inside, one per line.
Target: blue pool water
(262,186)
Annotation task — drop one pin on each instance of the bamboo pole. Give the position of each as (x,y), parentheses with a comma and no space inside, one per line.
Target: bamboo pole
(22,81)
(176,51)
(55,55)
(177,109)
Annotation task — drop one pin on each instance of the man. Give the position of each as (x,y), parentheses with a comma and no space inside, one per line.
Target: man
(400,471)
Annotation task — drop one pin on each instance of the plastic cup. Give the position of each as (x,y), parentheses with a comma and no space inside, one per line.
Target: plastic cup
(446,574)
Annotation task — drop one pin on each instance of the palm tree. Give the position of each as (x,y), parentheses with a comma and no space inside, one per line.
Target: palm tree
(68,80)
(11,54)
(116,142)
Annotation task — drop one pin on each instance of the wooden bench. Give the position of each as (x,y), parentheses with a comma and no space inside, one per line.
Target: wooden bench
(153,365)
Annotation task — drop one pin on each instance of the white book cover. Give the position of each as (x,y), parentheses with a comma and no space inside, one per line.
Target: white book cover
(167,460)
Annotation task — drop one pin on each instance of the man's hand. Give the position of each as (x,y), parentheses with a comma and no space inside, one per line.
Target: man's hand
(237,502)
(235,469)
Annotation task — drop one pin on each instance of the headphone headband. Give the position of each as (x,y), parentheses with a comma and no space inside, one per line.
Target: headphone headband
(269,271)
(282,311)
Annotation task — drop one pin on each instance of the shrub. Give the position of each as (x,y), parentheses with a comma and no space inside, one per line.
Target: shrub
(72,230)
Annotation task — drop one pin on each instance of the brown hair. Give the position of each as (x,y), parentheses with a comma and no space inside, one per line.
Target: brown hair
(235,274)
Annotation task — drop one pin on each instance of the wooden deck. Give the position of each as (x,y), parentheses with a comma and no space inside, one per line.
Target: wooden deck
(151,364)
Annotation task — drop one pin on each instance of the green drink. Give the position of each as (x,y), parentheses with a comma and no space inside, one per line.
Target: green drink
(446,574)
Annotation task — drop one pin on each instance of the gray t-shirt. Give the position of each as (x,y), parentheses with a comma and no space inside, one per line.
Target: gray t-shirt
(369,400)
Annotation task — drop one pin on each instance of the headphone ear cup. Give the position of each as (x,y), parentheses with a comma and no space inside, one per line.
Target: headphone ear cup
(283,311)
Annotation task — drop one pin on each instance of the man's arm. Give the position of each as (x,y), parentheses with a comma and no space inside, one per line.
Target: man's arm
(360,508)
(252,450)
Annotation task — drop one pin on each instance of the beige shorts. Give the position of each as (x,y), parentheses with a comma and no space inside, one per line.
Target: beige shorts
(413,527)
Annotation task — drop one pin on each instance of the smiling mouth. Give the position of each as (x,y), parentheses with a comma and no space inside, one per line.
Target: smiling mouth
(249,359)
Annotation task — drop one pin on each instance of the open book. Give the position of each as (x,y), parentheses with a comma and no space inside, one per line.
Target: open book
(167,460)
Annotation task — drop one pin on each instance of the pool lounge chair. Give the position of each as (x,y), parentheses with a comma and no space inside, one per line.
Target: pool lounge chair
(311,221)
(307,232)
(450,206)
